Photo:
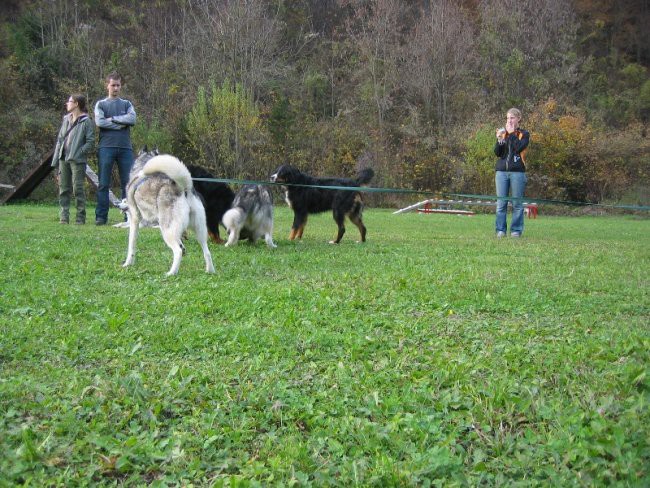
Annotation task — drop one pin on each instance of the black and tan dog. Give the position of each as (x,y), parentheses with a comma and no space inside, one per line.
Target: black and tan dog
(305,200)
(217,199)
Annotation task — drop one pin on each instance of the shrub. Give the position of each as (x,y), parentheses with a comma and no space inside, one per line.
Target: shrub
(153,135)
(479,164)
(579,161)
(223,127)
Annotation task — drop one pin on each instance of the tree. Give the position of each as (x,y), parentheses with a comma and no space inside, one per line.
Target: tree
(528,49)
(440,60)
(374,31)
(222,128)
(280,123)
(239,40)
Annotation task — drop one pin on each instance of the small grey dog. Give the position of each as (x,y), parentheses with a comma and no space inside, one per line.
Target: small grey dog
(251,216)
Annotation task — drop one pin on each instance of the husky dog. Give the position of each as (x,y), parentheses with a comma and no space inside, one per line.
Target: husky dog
(143,156)
(162,192)
(251,216)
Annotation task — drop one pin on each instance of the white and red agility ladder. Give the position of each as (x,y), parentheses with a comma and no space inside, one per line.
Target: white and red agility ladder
(427,207)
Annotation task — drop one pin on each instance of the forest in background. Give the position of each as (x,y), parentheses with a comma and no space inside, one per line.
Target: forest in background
(413,88)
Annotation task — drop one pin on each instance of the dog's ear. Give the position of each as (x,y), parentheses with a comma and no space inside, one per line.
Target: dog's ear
(155,151)
(144,149)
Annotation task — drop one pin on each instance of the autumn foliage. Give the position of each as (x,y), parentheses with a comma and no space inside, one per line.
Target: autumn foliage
(415,89)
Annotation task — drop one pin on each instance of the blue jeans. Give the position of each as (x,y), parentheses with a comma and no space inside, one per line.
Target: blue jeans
(515,183)
(106,156)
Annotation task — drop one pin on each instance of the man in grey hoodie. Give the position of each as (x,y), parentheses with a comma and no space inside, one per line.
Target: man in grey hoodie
(114,116)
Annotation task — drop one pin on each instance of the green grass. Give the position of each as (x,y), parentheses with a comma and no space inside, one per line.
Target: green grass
(434,354)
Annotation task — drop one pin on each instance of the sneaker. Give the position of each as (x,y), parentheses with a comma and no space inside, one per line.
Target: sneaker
(63,221)
(501,234)
(79,222)
(100,222)
(515,234)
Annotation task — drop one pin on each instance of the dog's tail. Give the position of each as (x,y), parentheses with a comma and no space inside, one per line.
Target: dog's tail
(364,176)
(172,167)
(231,218)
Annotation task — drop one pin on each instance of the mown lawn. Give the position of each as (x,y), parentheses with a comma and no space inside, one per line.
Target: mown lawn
(434,354)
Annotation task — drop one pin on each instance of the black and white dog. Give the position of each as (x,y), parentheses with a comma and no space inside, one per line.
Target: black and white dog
(251,216)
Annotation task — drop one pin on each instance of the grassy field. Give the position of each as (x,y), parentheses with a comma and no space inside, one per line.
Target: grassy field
(434,354)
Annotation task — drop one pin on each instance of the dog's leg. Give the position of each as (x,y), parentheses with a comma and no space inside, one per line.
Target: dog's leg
(232,221)
(269,241)
(215,238)
(233,236)
(298,227)
(297,222)
(172,238)
(265,229)
(198,221)
(268,238)
(339,218)
(202,237)
(134,227)
(212,224)
(356,220)
(339,235)
(301,229)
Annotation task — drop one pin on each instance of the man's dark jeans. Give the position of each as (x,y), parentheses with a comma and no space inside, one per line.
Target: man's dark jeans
(106,157)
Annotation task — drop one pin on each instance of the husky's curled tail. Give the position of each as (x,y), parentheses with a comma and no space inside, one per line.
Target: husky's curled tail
(172,168)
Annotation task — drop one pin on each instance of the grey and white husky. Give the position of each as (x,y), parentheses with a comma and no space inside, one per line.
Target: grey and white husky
(251,216)
(143,156)
(162,192)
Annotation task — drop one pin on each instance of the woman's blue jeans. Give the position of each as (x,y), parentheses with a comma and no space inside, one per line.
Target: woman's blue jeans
(510,182)
(106,156)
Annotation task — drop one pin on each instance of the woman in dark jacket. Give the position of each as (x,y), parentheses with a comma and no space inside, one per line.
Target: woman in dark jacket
(510,148)
(73,145)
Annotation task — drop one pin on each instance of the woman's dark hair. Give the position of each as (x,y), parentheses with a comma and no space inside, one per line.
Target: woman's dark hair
(81,101)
